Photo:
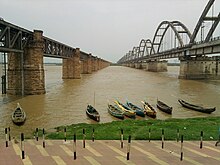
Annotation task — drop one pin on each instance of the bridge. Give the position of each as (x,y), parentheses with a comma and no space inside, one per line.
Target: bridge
(25,50)
(195,62)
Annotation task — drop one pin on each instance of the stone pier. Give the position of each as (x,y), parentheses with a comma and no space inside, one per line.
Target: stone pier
(72,66)
(138,65)
(132,65)
(144,66)
(27,77)
(104,64)
(14,74)
(87,65)
(157,66)
(94,64)
(200,67)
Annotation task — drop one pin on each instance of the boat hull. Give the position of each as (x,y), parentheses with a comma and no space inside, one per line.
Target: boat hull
(115,112)
(18,116)
(196,107)
(127,111)
(149,110)
(139,111)
(92,113)
(163,107)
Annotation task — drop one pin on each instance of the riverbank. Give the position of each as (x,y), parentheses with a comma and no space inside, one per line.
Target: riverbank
(139,129)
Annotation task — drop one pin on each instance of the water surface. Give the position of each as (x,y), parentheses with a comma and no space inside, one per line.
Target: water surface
(65,100)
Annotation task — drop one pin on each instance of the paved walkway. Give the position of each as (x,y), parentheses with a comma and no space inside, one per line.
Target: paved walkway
(109,152)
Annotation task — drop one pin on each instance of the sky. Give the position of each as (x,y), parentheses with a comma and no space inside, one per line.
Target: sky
(106,28)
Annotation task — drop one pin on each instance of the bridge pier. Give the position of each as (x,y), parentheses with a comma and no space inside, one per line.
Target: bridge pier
(94,64)
(104,64)
(138,65)
(87,65)
(14,74)
(200,67)
(145,66)
(99,64)
(157,66)
(27,77)
(132,65)
(72,66)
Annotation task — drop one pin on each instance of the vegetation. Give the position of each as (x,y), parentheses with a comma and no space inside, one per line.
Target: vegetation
(139,129)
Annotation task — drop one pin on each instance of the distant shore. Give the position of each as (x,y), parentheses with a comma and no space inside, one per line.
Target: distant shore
(168,64)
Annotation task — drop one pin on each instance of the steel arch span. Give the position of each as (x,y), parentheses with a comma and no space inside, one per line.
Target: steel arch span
(144,48)
(177,27)
(203,18)
(187,45)
(135,53)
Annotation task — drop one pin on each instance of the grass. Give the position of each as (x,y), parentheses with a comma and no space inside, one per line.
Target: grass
(139,129)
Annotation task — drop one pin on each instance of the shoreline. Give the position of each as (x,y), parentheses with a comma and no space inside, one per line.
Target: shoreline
(150,129)
(140,129)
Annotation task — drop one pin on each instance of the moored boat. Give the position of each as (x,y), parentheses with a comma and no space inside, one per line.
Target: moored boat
(196,107)
(139,111)
(116,112)
(127,111)
(149,110)
(92,113)
(19,115)
(164,107)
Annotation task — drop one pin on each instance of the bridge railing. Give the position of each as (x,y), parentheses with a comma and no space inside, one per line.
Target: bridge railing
(212,39)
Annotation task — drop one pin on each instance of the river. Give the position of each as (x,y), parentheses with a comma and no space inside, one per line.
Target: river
(65,100)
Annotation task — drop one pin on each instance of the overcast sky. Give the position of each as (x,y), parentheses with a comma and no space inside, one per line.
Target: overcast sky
(106,28)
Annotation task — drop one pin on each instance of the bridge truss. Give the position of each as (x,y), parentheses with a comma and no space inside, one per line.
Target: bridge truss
(15,39)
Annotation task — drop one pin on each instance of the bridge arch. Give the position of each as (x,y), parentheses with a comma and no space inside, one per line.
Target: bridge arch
(176,26)
(135,52)
(204,18)
(144,48)
(130,55)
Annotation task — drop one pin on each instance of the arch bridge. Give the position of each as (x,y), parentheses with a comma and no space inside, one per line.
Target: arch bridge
(182,44)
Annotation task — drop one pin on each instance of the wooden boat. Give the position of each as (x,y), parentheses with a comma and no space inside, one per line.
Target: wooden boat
(127,111)
(92,113)
(164,107)
(139,111)
(18,116)
(196,107)
(149,110)
(116,112)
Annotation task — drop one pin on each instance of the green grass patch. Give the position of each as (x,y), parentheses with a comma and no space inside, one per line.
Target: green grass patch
(139,129)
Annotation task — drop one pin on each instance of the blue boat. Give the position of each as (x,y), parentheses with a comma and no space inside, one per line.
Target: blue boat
(126,110)
(139,111)
(115,111)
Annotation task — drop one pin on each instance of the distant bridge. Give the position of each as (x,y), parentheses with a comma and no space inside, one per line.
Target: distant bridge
(183,42)
(25,51)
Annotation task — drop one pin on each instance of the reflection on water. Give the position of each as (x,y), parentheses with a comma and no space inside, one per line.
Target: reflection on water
(66,100)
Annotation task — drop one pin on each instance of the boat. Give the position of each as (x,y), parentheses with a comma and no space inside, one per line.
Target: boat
(164,107)
(127,111)
(139,111)
(116,112)
(92,113)
(196,107)
(149,110)
(18,116)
